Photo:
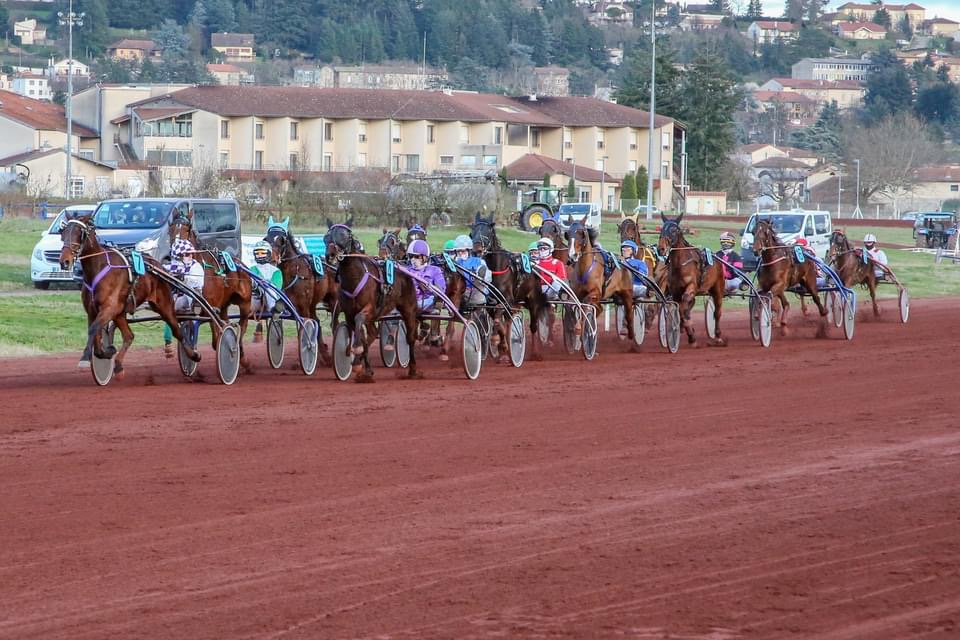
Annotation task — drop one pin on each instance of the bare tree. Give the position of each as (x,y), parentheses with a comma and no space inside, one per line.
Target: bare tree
(736,178)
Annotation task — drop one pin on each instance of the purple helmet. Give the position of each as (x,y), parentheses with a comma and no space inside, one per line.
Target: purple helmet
(418,248)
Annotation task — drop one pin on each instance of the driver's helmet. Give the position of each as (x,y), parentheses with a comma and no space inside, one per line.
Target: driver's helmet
(415,229)
(869,241)
(534,248)
(463,243)
(418,248)
(727,240)
(545,246)
(181,249)
(449,246)
(262,252)
(629,244)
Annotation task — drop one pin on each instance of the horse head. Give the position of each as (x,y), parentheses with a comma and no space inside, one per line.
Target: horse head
(280,239)
(581,238)
(340,241)
(551,229)
(628,230)
(181,226)
(764,236)
(483,233)
(389,244)
(74,233)
(839,243)
(671,235)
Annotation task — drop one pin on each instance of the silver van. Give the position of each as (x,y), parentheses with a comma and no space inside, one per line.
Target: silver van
(146,222)
(814,227)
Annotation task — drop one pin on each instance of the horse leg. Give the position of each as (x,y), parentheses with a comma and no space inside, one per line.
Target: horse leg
(89,306)
(359,345)
(166,312)
(628,318)
(535,311)
(323,353)
(811,285)
(410,320)
(717,294)
(245,308)
(784,309)
(127,333)
(104,316)
(872,286)
(687,300)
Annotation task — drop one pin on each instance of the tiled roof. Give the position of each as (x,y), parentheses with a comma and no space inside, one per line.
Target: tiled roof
(750,148)
(586,112)
(533,167)
(38,114)
(231,40)
(872,7)
(147,114)
(794,83)
(129,43)
(782,96)
(856,26)
(224,68)
(779,163)
(776,25)
(41,153)
(940,173)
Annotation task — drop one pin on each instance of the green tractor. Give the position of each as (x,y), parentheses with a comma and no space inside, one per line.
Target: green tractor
(542,203)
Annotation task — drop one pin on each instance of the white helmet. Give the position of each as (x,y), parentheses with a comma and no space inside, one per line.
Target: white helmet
(869,238)
(545,241)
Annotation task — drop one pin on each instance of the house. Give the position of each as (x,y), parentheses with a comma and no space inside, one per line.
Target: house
(769,31)
(846,93)
(552,81)
(832,69)
(32,85)
(531,169)
(700,21)
(136,50)
(399,77)
(706,203)
(798,109)
(46,170)
(259,132)
(235,47)
(751,154)
(781,181)
(865,12)
(934,185)
(861,31)
(611,12)
(230,74)
(60,69)
(941,27)
(29,124)
(29,32)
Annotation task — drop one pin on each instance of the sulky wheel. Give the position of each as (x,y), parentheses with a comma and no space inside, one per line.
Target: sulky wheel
(590,333)
(571,341)
(403,347)
(472,350)
(388,331)
(670,327)
(308,341)
(481,317)
(849,315)
(275,342)
(764,321)
(342,354)
(517,339)
(102,368)
(835,303)
(904,306)
(228,355)
(639,323)
(708,309)
(188,333)
(754,304)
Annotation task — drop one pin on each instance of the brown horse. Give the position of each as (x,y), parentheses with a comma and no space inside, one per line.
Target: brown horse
(221,286)
(551,229)
(629,230)
(391,246)
(851,268)
(688,275)
(589,279)
(112,290)
(508,276)
(302,285)
(365,297)
(780,269)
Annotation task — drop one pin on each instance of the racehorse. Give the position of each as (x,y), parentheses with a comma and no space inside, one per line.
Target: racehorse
(593,280)
(551,229)
(221,286)
(302,285)
(365,295)
(391,246)
(689,275)
(780,269)
(113,290)
(508,276)
(629,230)
(852,268)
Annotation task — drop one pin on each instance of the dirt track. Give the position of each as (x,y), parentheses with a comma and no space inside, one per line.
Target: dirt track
(812,490)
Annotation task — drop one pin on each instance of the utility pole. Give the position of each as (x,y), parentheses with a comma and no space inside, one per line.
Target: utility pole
(70,19)
(839,191)
(856,212)
(653,105)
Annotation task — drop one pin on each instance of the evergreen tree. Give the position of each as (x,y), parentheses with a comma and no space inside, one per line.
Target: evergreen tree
(571,191)
(4,15)
(882,17)
(754,9)
(889,91)
(938,102)
(823,136)
(628,190)
(634,88)
(94,35)
(641,179)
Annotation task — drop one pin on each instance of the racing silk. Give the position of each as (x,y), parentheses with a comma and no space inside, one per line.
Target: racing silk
(270,273)
(733,258)
(191,273)
(553,267)
(432,274)
(877,255)
(476,265)
(640,266)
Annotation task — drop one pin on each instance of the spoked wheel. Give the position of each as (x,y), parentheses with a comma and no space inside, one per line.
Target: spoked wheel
(708,309)
(472,350)
(904,306)
(308,337)
(403,347)
(102,368)
(517,338)
(342,354)
(754,304)
(189,335)
(481,318)
(228,355)
(571,341)
(639,323)
(764,321)
(836,306)
(670,327)
(388,332)
(590,333)
(275,342)
(849,316)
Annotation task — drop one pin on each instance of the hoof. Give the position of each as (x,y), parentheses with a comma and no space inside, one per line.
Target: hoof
(717,342)
(119,373)
(258,337)
(83,364)
(444,357)
(415,375)
(196,356)
(364,377)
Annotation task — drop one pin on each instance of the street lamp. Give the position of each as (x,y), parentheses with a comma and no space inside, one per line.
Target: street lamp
(856,212)
(653,106)
(70,19)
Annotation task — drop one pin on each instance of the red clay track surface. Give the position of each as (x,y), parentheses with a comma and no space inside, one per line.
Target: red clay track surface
(808,490)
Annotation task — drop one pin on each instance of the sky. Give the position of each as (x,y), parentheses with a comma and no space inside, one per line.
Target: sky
(935,8)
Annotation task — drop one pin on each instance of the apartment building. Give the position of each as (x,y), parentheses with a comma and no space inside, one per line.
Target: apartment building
(370,77)
(32,85)
(865,12)
(846,93)
(832,69)
(280,130)
(769,31)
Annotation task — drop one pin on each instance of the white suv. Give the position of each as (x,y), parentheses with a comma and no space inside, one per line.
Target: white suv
(814,227)
(570,212)
(45,259)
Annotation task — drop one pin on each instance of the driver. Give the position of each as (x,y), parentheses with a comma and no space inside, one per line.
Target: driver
(555,270)
(473,296)
(189,270)
(875,253)
(419,254)
(414,232)
(727,254)
(628,252)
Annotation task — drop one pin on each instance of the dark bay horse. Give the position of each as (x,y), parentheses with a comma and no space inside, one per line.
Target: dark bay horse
(551,229)
(780,269)
(688,275)
(517,287)
(629,230)
(589,279)
(112,290)
(390,245)
(221,286)
(850,266)
(301,283)
(365,296)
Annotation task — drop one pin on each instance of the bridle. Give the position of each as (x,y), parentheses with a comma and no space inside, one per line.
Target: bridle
(345,246)
(76,248)
(389,242)
(481,239)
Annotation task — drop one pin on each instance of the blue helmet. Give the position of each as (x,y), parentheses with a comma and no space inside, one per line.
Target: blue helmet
(463,242)
(418,248)
(631,244)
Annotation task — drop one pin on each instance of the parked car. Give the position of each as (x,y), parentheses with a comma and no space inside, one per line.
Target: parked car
(45,259)
(640,212)
(570,212)
(813,227)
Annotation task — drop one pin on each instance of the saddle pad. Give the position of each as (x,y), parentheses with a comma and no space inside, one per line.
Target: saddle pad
(709,256)
(314,245)
(228,261)
(318,265)
(525,262)
(798,252)
(136,259)
(866,258)
(388,269)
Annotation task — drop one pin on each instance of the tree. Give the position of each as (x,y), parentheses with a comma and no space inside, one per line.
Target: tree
(938,102)
(882,17)
(823,136)
(571,190)
(905,27)
(628,190)
(721,6)
(641,180)
(4,15)
(754,9)
(221,16)
(634,88)
(95,32)
(888,88)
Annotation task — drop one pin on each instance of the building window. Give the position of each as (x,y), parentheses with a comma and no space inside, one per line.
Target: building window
(361,159)
(362,132)
(395,131)
(955,187)
(225,129)
(395,164)
(534,136)
(430,138)
(598,165)
(328,131)
(490,161)
(328,162)
(468,161)
(258,160)
(224,159)
(633,139)
(665,139)
(294,130)
(567,139)
(600,141)
(86,154)
(446,160)
(412,162)
(76,186)
(464,134)
(294,162)
(632,166)
(258,131)
(665,171)
(169,158)
(498,135)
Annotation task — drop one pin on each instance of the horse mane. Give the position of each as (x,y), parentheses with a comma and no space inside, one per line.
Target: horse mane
(777,242)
